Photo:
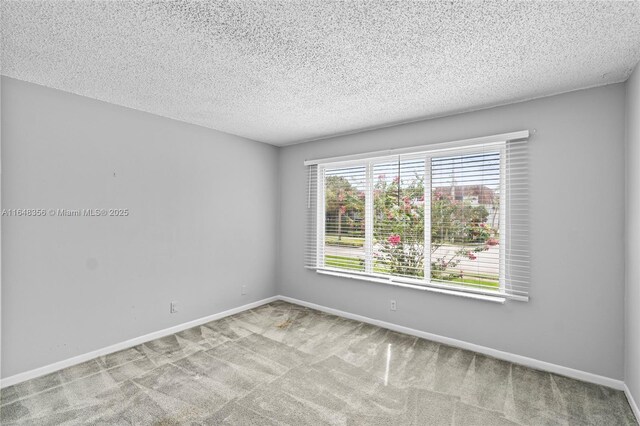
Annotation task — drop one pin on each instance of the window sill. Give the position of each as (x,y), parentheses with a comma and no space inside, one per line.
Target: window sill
(486,298)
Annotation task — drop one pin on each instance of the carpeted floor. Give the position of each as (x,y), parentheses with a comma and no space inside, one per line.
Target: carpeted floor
(286,364)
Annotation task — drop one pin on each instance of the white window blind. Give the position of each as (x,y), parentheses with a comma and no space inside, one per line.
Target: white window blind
(449,216)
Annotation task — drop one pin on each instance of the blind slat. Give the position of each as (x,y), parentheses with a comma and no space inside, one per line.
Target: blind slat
(457,219)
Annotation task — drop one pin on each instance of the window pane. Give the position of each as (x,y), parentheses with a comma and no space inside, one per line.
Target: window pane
(399,218)
(344,218)
(465,219)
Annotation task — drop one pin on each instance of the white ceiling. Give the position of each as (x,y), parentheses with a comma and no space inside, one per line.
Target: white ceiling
(289,71)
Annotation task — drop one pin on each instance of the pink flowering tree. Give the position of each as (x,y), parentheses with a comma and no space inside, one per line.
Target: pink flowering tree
(459,224)
(399,225)
(399,229)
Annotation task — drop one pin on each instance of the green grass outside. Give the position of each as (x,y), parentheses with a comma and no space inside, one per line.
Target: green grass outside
(332,240)
(356,264)
(352,263)
(475,282)
(344,262)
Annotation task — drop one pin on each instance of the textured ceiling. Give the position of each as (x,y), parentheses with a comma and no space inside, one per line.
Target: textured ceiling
(290,71)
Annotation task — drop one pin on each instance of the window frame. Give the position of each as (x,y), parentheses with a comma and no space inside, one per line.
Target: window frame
(369,162)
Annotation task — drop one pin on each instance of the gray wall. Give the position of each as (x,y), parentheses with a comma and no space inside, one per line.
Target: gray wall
(632,299)
(72,285)
(203,222)
(575,315)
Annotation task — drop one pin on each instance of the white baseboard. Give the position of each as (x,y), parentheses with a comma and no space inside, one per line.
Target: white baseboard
(41,371)
(632,402)
(517,359)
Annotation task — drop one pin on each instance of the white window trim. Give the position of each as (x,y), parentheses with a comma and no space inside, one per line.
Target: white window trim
(497,298)
(427,152)
(435,147)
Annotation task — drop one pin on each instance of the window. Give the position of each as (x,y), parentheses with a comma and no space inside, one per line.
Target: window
(448,217)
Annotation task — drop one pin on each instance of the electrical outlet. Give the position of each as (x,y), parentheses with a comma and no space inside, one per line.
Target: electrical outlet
(393,306)
(244,290)
(174,307)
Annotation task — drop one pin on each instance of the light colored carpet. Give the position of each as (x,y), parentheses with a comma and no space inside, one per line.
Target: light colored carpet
(286,364)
